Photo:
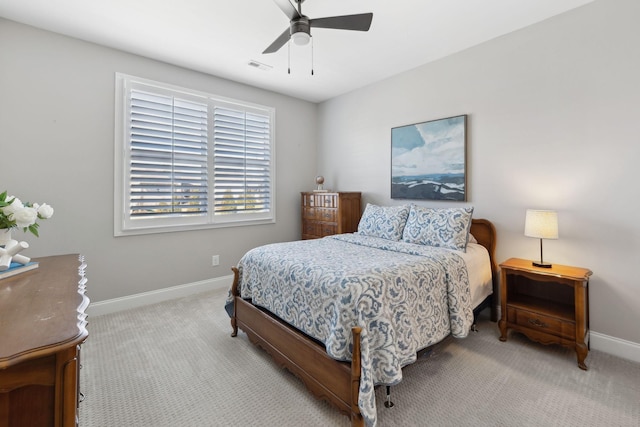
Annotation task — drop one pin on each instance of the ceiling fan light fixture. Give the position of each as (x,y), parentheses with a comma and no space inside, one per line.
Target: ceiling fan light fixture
(301,38)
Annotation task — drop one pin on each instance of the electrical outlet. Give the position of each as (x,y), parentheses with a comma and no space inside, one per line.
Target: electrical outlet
(215,260)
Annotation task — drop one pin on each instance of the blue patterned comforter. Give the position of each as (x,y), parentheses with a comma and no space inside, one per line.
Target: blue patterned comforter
(404,296)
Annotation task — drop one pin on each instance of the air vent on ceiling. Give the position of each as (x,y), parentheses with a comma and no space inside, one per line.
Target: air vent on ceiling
(259,65)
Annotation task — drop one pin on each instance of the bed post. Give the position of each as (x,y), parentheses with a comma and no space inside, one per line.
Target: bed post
(235,293)
(356,416)
(485,233)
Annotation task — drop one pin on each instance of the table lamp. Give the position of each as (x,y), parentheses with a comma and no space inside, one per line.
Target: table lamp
(542,224)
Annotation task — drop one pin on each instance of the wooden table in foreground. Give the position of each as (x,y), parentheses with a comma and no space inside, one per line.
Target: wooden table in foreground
(42,324)
(548,305)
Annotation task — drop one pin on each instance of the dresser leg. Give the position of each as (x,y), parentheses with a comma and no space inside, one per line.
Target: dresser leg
(581,352)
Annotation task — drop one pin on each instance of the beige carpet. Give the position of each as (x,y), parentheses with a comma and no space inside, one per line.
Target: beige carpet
(175,364)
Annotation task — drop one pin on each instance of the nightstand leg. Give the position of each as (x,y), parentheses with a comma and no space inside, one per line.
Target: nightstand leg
(502,324)
(503,329)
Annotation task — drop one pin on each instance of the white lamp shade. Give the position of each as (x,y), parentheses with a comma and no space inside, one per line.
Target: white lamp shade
(541,224)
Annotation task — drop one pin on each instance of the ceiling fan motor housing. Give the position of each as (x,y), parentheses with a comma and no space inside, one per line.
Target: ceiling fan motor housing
(300,30)
(300,25)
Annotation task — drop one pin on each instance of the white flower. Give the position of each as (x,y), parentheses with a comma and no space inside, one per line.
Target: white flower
(44,211)
(24,217)
(14,207)
(16,214)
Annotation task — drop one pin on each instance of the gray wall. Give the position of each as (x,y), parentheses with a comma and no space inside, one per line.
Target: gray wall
(553,123)
(57,144)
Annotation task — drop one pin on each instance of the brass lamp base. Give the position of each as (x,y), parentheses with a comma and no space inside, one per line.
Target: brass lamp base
(541,264)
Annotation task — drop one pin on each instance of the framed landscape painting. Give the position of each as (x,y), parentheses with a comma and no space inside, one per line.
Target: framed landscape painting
(428,160)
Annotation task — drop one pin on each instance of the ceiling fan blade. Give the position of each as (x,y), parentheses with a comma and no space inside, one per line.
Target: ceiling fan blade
(288,9)
(279,42)
(360,22)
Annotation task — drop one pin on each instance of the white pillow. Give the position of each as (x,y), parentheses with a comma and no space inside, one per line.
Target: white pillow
(442,227)
(386,222)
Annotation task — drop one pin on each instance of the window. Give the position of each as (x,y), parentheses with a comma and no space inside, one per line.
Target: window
(187,160)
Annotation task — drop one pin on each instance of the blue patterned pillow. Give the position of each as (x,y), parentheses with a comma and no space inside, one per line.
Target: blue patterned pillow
(442,227)
(386,222)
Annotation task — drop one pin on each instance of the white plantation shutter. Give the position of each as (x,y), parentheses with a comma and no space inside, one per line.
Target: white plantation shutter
(242,161)
(188,160)
(168,160)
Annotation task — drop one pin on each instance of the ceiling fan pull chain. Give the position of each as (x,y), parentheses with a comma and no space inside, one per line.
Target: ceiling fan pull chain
(289,57)
(312,55)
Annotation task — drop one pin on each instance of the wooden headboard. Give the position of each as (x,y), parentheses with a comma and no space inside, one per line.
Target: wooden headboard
(485,233)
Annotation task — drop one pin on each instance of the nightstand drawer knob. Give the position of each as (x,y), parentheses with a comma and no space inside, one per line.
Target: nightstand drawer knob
(538,323)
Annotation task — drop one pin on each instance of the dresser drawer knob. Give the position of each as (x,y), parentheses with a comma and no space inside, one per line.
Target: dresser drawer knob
(538,323)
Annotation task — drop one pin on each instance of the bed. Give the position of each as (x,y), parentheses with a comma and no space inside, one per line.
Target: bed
(345,313)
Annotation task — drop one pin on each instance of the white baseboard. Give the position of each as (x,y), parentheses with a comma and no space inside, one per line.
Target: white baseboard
(615,346)
(152,297)
(618,347)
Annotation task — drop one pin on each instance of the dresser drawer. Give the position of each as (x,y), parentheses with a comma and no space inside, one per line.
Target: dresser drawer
(539,322)
(320,214)
(318,229)
(328,229)
(320,200)
(328,215)
(308,213)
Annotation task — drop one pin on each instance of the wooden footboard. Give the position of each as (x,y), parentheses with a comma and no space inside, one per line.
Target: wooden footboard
(336,382)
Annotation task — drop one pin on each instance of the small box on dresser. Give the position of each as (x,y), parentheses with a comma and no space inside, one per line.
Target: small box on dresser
(548,305)
(327,213)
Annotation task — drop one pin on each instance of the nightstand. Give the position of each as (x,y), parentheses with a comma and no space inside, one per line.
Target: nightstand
(548,305)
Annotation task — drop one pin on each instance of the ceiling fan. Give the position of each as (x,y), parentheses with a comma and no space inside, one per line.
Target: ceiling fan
(300,25)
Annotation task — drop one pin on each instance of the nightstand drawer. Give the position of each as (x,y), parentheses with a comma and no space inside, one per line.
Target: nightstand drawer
(541,323)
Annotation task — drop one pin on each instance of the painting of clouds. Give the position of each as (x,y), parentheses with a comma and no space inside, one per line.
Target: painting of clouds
(428,160)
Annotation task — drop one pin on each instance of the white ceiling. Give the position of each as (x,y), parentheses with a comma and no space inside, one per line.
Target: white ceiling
(220,37)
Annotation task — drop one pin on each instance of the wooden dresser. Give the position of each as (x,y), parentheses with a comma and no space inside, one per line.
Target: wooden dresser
(42,324)
(325,213)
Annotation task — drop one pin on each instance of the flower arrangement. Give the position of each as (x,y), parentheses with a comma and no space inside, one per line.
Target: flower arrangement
(15,214)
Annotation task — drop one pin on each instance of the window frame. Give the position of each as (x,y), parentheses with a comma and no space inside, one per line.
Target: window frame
(124,225)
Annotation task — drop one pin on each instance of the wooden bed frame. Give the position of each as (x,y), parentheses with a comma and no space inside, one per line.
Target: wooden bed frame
(328,379)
